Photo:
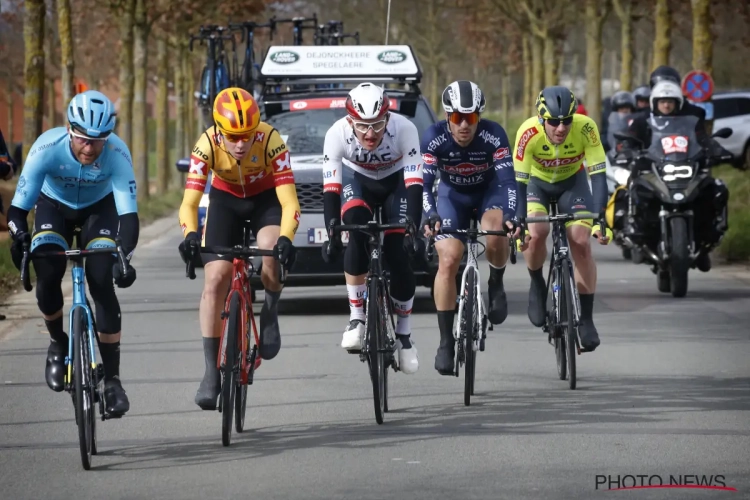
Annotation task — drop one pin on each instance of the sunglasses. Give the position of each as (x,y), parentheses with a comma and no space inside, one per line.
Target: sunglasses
(235,138)
(555,122)
(84,139)
(376,127)
(457,118)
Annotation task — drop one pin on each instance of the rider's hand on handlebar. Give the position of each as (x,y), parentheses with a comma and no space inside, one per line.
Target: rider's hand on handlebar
(514,226)
(190,247)
(411,240)
(333,247)
(432,225)
(286,251)
(123,280)
(601,231)
(21,240)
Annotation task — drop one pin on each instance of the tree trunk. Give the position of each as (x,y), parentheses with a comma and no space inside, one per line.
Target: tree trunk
(551,59)
(505,95)
(624,10)
(67,68)
(190,130)
(527,64)
(51,104)
(537,61)
(125,113)
(9,87)
(575,68)
(33,101)
(596,11)
(613,72)
(662,37)
(49,87)
(180,94)
(140,109)
(703,43)
(162,117)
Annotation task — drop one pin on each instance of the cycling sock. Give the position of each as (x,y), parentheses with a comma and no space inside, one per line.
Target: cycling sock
(538,277)
(405,340)
(403,313)
(55,329)
(496,274)
(587,305)
(271,300)
(111,360)
(356,302)
(211,354)
(445,323)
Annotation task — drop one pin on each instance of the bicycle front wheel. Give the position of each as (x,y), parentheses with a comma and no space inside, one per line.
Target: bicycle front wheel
(558,304)
(240,407)
(230,367)
(83,387)
(570,326)
(375,333)
(469,333)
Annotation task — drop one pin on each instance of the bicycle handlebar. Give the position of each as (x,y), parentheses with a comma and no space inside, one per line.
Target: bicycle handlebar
(561,217)
(372,228)
(237,252)
(76,252)
(472,233)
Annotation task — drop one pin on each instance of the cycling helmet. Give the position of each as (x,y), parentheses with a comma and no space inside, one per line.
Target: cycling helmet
(666,89)
(664,73)
(367,101)
(463,96)
(642,92)
(621,99)
(236,111)
(92,114)
(556,102)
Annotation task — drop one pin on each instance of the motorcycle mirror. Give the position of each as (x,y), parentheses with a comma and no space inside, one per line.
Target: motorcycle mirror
(723,133)
(626,137)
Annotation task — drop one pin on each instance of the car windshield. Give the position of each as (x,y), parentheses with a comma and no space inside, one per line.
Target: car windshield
(305,130)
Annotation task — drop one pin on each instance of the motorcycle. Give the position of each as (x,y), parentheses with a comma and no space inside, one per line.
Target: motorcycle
(664,183)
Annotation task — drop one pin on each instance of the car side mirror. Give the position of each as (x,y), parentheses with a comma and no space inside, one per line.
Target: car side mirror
(183,165)
(723,133)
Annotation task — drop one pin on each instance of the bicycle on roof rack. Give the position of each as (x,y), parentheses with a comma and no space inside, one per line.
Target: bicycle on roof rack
(299,24)
(248,75)
(217,74)
(332,32)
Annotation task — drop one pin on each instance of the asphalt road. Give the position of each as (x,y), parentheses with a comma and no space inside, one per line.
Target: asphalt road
(667,393)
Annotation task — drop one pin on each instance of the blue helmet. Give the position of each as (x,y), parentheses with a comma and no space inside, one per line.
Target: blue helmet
(92,113)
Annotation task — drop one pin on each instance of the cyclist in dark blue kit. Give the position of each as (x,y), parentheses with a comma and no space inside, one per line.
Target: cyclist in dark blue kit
(473,158)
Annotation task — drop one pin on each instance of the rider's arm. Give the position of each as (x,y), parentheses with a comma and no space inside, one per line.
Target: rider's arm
(30,182)
(504,175)
(413,175)
(124,191)
(332,175)
(430,167)
(522,162)
(201,162)
(596,165)
(277,156)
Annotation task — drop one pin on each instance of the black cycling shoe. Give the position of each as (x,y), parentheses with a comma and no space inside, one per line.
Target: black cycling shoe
(116,400)
(444,359)
(54,372)
(208,391)
(589,335)
(498,303)
(537,304)
(270,336)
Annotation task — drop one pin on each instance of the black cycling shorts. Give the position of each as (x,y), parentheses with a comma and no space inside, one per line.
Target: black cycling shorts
(55,222)
(227,213)
(361,191)
(573,195)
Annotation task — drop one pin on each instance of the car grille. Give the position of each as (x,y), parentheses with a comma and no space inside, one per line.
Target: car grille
(310,197)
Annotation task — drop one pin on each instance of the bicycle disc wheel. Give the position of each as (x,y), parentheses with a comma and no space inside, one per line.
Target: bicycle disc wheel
(570,328)
(83,386)
(558,303)
(375,356)
(230,369)
(469,327)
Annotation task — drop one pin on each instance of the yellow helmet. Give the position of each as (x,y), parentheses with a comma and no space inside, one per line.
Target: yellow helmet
(236,112)
(556,102)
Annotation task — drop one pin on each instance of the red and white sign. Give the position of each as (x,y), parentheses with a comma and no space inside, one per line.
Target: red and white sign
(465,168)
(197,166)
(524,140)
(501,153)
(698,86)
(559,162)
(282,162)
(674,144)
(429,159)
(325,103)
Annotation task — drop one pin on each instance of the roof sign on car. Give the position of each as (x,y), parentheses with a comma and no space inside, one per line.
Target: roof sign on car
(394,61)
(325,103)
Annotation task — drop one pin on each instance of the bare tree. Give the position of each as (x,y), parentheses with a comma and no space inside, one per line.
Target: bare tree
(163,169)
(703,39)
(596,12)
(33,102)
(663,34)
(67,64)
(125,9)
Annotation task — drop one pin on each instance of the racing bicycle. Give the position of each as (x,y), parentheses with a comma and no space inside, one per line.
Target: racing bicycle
(84,377)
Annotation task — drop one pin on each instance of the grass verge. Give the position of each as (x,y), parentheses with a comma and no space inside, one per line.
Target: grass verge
(148,211)
(735,247)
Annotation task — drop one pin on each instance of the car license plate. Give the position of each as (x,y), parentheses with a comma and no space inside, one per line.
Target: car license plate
(320,235)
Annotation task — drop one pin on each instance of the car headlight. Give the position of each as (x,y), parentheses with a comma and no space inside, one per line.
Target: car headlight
(204,201)
(621,176)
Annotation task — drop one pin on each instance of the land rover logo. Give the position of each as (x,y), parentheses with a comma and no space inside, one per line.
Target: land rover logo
(284,57)
(391,57)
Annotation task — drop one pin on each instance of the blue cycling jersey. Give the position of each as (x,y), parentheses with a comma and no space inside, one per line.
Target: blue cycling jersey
(52,169)
(485,165)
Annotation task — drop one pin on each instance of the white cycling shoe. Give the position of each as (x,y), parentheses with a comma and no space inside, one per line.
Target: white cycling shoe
(408,359)
(353,335)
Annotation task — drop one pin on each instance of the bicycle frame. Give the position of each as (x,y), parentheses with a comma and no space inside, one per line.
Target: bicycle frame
(559,257)
(471,267)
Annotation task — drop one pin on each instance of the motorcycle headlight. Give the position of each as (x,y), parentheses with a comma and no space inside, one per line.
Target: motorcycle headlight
(621,176)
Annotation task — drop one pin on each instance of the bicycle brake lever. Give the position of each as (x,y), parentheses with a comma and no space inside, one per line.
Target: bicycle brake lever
(190,269)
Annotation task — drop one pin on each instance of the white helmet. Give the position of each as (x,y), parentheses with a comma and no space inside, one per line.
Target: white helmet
(367,101)
(463,96)
(666,89)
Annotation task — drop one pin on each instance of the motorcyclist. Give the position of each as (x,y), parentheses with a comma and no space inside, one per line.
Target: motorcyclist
(623,105)
(641,95)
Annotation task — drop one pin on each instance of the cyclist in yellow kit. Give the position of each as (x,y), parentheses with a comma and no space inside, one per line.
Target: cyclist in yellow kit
(549,154)
(252,180)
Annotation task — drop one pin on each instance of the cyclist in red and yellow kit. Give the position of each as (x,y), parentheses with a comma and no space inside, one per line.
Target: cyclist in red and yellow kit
(252,180)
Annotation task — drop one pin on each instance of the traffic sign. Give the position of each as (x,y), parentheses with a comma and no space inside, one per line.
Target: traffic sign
(698,86)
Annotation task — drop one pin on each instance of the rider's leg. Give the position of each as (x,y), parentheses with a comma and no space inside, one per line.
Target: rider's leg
(402,289)
(355,272)
(450,250)
(270,335)
(497,256)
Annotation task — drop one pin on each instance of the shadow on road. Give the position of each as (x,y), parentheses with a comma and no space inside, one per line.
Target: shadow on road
(606,406)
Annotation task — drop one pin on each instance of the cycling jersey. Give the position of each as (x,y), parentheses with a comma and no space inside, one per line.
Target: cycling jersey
(536,156)
(52,169)
(484,166)
(397,152)
(265,166)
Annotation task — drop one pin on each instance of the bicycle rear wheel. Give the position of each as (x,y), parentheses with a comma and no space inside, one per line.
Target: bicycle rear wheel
(83,387)
(570,328)
(230,368)
(558,304)
(469,327)
(375,345)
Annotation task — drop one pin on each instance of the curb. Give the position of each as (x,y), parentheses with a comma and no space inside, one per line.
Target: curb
(21,305)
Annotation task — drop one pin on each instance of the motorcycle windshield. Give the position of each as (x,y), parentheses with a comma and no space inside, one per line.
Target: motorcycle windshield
(673,138)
